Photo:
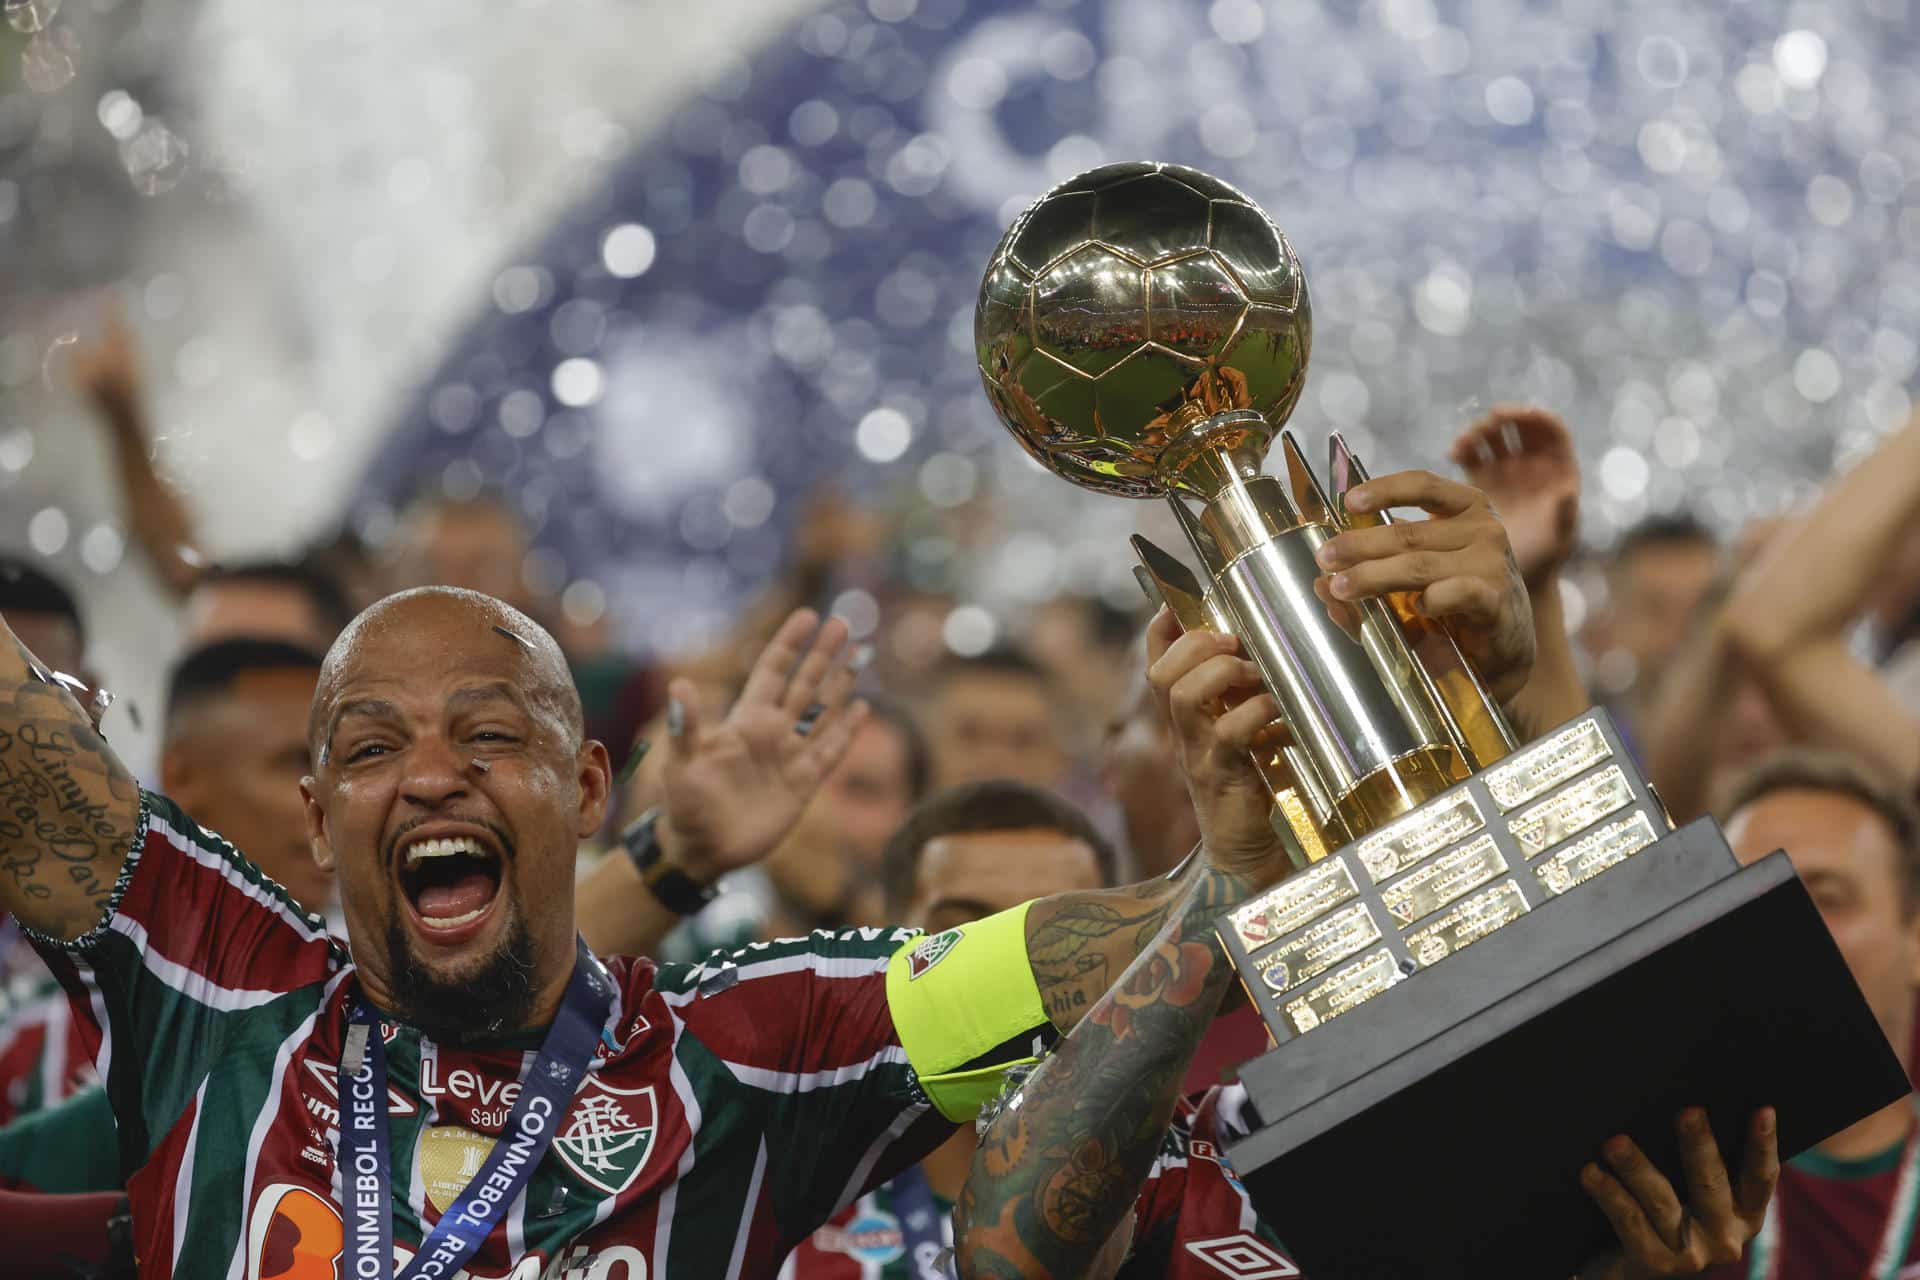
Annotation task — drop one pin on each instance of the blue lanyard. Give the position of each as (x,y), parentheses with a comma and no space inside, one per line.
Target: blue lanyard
(366,1168)
(927,1256)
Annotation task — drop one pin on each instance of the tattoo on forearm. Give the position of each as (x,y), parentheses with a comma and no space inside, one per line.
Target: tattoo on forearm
(1058,1169)
(1077,942)
(67,806)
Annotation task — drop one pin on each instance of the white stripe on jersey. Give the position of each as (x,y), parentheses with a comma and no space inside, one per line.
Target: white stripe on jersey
(746,1212)
(195,986)
(306,928)
(683,1089)
(103,1056)
(800,962)
(863,1171)
(98,1000)
(808,1081)
(183,1179)
(263,1122)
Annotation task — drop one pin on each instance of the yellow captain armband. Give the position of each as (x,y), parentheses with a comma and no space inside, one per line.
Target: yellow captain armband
(966,1008)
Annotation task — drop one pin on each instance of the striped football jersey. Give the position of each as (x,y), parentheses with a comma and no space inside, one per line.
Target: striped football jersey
(733,1105)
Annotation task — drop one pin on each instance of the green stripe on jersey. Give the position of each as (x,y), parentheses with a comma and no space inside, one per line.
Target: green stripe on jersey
(232,1108)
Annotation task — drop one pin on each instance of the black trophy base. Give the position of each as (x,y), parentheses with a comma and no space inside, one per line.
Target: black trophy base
(1441,1135)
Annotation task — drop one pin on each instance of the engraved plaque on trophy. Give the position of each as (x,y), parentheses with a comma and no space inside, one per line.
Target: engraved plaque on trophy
(1493,955)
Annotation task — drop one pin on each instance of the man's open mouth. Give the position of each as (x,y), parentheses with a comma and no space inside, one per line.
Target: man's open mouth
(450,881)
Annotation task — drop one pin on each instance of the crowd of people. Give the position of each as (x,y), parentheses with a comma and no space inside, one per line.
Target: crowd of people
(445,938)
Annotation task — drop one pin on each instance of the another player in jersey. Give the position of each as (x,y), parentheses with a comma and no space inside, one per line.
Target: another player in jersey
(966,853)
(1848,1207)
(467,1083)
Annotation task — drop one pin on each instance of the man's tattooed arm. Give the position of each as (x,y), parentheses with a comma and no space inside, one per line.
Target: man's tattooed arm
(1077,942)
(1061,1165)
(68,808)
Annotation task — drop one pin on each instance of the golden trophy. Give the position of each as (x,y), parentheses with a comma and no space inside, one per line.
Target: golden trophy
(1144,331)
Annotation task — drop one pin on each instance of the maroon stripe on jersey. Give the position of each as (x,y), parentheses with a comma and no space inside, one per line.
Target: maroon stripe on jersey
(150,1194)
(178,900)
(84,1032)
(765,1248)
(769,1021)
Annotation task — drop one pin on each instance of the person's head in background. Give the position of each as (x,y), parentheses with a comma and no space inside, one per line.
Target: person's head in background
(1085,644)
(1138,769)
(292,601)
(995,715)
(887,770)
(1746,734)
(480,543)
(346,559)
(234,749)
(827,872)
(970,851)
(1656,577)
(1855,840)
(45,616)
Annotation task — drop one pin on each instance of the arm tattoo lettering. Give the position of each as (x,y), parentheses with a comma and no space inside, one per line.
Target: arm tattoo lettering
(1078,941)
(67,807)
(1060,1166)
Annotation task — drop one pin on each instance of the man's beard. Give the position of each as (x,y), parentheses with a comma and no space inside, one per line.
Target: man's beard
(495,999)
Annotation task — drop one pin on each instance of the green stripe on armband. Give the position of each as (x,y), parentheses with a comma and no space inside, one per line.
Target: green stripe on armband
(966,1008)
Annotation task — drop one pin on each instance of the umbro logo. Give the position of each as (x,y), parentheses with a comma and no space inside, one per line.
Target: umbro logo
(1244,1257)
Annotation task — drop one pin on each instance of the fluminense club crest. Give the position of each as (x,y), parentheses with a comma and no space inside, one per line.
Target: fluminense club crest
(930,952)
(608,1134)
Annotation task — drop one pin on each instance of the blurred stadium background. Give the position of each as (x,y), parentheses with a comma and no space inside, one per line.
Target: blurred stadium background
(663,274)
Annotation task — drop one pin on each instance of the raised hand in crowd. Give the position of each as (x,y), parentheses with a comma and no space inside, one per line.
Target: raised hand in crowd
(1521,457)
(1771,657)
(106,370)
(1792,615)
(702,828)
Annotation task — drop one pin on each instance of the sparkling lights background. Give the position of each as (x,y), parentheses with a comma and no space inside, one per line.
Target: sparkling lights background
(659,278)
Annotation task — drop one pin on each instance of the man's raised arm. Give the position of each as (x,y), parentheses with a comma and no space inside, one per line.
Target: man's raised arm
(68,807)
(1058,1170)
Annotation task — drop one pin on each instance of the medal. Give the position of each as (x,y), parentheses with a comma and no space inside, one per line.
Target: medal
(469,1203)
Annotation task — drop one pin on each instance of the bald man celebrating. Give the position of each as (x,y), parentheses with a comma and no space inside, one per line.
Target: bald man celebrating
(463,1088)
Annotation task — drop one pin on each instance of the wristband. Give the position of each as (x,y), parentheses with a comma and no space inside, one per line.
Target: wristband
(677,891)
